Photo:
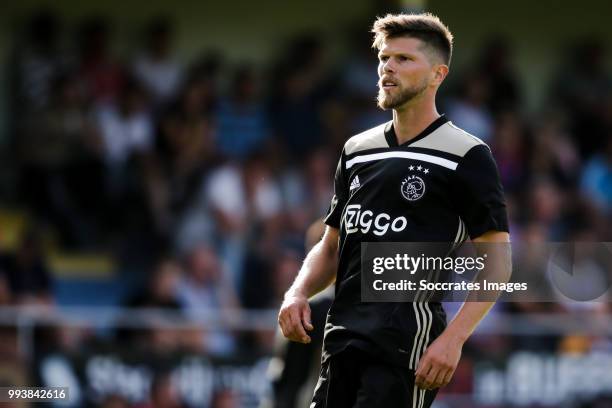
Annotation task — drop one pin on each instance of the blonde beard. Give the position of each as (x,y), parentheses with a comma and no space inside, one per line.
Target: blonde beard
(385,101)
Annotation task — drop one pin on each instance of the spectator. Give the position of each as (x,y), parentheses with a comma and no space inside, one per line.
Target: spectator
(156,68)
(59,171)
(243,127)
(496,66)
(126,138)
(28,273)
(187,130)
(361,78)
(204,291)
(470,111)
(307,190)
(583,83)
(185,152)
(206,70)
(242,200)
(125,128)
(38,61)
(597,179)
(161,293)
(162,288)
(100,74)
(299,96)
(508,147)
(359,81)
(544,207)
(553,153)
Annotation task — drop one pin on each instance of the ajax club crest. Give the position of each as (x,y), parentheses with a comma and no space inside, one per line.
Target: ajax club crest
(413,186)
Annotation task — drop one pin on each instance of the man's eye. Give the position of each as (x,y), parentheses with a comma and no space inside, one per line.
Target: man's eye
(384,59)
(402,58)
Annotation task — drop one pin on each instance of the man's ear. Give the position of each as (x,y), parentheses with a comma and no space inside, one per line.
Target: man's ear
(440,73)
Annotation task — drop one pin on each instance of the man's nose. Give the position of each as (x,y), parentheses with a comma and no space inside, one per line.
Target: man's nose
(388,66)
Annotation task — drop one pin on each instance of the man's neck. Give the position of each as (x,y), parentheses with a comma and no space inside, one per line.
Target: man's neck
(410,121)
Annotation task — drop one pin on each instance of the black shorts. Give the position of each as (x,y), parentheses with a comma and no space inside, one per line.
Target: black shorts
(354,379)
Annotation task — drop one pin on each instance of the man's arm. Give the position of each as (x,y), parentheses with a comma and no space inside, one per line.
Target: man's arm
(440,360)
(317,273)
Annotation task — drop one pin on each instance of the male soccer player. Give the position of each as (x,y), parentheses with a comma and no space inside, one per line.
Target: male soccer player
(417,178)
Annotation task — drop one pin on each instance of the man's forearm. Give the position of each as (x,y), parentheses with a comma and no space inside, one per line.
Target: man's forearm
(319,268)
(499,269)
(467,319)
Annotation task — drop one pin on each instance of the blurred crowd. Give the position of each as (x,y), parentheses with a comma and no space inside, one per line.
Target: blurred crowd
(202,176)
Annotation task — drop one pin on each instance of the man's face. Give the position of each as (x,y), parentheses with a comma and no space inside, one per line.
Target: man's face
(405,71)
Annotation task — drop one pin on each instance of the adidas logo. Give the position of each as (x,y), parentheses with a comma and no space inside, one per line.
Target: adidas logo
(355,183)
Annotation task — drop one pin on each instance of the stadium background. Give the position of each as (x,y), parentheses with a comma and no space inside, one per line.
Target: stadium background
(161,164)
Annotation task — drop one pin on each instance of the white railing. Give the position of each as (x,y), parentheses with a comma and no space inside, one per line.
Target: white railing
(25,318)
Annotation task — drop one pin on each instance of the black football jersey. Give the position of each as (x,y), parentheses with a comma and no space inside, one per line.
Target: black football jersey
(441,186)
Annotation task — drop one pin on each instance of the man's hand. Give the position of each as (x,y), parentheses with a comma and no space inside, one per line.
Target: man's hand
(294,318)
(317,273)
(438,364)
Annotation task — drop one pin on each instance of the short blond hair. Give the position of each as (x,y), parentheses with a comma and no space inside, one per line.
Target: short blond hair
(425,26)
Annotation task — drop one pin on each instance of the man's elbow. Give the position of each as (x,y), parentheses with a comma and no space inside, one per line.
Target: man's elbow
(329,242)
(495,245)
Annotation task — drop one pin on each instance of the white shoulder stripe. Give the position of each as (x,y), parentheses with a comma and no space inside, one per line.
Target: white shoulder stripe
(370,139)
(449,164)
(450,139)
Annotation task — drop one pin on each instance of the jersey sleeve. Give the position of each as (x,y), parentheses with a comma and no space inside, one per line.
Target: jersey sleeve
(479,193)
(338,202)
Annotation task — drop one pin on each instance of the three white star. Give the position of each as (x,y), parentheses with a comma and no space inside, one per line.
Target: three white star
(419,168)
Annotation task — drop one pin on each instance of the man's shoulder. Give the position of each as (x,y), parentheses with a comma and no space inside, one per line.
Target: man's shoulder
(373,138)
(450,138)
